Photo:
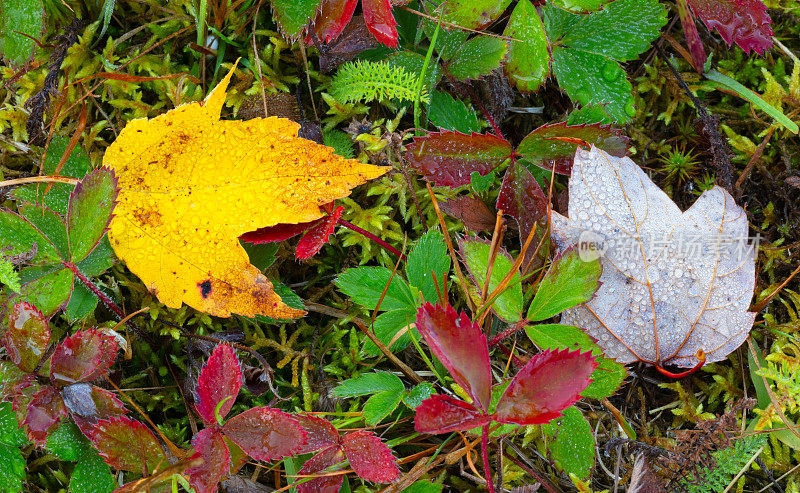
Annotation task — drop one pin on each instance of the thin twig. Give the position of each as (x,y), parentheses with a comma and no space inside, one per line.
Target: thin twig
(372,237)
(39,179)
(719,148)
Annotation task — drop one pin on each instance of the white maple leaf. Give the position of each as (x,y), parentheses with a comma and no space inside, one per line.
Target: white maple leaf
(673,282)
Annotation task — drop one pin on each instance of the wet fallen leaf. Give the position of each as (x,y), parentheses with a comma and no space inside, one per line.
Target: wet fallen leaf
(672,282)
(191,184)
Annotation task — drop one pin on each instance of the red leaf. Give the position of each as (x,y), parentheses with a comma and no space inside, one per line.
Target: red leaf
(323,460)
(443,414)
(127,445)
(279,232)
(220,379)
(461,346)
(88,410)
(317,235)
(555,144)
(369,457)
(82,357)
(265,433)
(320,433)
(380,21)
(449,158)
(522,198)
(550,382)
(698,53)
(209,445)
(744,21)
(26,337)
(354,39)
(332,17)
(44,411)
(471,211)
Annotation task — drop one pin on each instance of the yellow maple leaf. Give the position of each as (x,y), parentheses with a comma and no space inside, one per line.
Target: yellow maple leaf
(191,184)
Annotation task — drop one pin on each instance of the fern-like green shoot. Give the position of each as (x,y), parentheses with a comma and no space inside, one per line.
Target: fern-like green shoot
(8,275)
(729,462)
(370,81)
(341,142)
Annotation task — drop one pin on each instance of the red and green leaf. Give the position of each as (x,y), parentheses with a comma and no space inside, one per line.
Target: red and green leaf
(444,414)
(128,445)
(265,433)
(461,346)
(550,382)
(320,433)
(43,413)
(11,377)
(449,158)
(209,445)
(84,356)
(21,393)
(471,211)
(219,380)
(26,337)
(555,144)
(328,457)
(369,457)
(94,405)
(744,22)
(89,211)
(522,198)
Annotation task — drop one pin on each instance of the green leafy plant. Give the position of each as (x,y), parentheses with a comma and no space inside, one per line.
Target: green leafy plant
(377,288)
(370,81)
(387,391)
(65,232)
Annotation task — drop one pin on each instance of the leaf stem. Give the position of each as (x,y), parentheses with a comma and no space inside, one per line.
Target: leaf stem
(386,246)
(106,300)
(485,452)
(94,289)
(509,331)
(701,360)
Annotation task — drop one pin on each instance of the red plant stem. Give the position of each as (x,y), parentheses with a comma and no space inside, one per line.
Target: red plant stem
(509,331)
(94,289)
(106,300)
(485,453)
(530,471)
(386,246)
(701,360)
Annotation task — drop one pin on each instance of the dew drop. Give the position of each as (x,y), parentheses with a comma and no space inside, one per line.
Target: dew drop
(630,108)
(611,71)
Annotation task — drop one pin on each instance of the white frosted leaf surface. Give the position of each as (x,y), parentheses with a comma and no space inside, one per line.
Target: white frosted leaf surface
(673,282)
